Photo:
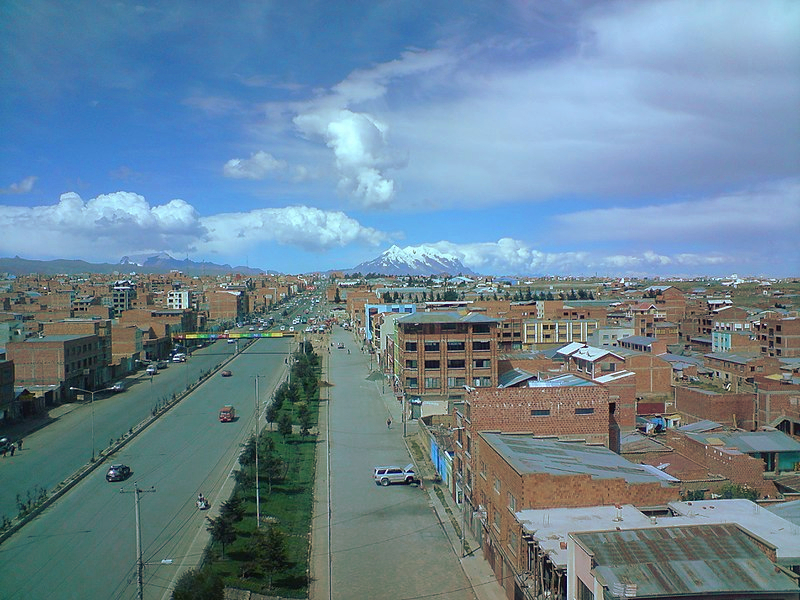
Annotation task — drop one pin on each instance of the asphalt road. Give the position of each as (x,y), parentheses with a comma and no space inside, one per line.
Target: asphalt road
(54,453)
(385,542)
(84,545)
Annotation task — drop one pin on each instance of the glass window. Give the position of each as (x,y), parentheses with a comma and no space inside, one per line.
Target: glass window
(456,346)
(540,412)
(433,383)
(431,346)
(456,363)
(411,346)
(432,364)
(584,411)
(456,382)
(481,345)
(411,364)
(412,382)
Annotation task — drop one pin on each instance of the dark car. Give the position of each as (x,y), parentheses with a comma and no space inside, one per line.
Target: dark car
(118,473)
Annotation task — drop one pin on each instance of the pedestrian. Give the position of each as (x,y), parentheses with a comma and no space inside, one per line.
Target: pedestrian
(4,451)
(12,449)
(389,423)
(348,350)
(19,445)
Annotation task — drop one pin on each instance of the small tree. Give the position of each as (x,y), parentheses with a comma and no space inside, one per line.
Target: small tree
(272,552)
(199,585)
(285,425)
(233,509)
(222,531)
(271,414)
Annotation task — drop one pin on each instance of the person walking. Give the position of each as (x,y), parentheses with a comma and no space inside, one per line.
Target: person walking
(389,423)
(12,449)
(19,444)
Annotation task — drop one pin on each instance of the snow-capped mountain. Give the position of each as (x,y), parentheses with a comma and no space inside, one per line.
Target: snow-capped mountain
(413,260)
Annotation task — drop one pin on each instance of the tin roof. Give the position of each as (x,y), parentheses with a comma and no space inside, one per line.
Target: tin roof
(445,317)
(676,561)
(528,454)
(749,442)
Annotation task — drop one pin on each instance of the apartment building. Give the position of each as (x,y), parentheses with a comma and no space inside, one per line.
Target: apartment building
(779,336)
(437,354)
(539,334)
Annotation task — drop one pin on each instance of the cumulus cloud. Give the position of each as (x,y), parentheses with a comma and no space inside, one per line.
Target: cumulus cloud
(22,187)
(260,165)
(509,256)
(304,227)
(112,225)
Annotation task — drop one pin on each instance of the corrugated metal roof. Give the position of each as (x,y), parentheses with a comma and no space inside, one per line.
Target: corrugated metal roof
(513,377)
(528,454)
(674,561)
(445,317)
(749,442)
(566,380)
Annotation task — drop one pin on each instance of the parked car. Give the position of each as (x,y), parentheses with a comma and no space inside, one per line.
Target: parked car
(388,475)
(118,387)
(162,364)
(118,473)
(226,373)
(179,358)
(151,370)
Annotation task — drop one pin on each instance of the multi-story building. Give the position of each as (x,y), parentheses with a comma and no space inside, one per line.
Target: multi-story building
(779,336)
(437,354)
(539,334)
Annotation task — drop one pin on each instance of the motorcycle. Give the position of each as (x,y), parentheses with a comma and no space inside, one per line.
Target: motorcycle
(202,503)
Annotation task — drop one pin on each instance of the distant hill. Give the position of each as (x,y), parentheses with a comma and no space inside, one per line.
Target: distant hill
(157,264)
(413,260)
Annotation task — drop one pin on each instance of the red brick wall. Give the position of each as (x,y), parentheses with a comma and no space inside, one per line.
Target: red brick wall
(777,401)
(509,410)
(731,464)
(722,408)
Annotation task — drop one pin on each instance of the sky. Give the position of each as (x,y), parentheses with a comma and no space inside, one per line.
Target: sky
(647,138)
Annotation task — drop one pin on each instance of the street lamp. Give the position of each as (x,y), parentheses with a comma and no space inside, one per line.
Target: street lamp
(91,394)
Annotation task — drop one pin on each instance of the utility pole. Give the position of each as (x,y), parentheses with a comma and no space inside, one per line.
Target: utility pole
(139,564)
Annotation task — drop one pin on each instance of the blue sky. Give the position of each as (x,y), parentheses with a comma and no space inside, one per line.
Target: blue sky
(566,138)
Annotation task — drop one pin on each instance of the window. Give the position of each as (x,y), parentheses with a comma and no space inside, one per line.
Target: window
(433,383)
(431,346)
(497,485)
(480,328)
(481,345)
(411,364)
(432,364)
(412,382)
(513,542)
(455,382)
(540,412)
(456,363)
(483,469)
(497,520)
(482,363)
(411,346)
(512,502)
(456,346)
(584,411)
(481,382)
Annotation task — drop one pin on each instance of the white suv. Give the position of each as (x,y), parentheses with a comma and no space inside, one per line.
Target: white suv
(386,475)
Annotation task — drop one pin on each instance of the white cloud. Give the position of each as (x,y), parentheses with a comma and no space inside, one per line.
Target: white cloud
(22,187)
(304,227)
(515,257)
(771,212)
(112,225)
(260,165)
(653,99)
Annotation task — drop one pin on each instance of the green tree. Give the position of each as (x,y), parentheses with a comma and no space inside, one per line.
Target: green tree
(233,509)
(272,553)
(387,297)
(337,298)
(450,296)
(222,531)
(285,425)
(271,414)
(199,585)
(734,490)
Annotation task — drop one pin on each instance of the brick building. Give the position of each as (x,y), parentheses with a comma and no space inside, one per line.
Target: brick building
(738,370)
(522,472)
(437,354)
(779,336)
(226,306)
(57,362)
(730,409)
(778,404)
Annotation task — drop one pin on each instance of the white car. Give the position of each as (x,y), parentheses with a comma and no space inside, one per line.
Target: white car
(151,370)
(387,475)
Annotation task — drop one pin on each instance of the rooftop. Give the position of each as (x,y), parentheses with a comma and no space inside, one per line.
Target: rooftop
(528,455)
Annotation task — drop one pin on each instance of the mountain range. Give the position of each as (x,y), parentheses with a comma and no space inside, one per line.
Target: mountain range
(144,263)
(413,260)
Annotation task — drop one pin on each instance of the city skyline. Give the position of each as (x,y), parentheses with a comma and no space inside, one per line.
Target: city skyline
(655,138)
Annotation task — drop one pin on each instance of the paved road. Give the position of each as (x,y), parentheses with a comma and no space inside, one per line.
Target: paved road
(385,543)
(84,545)
(53,453)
